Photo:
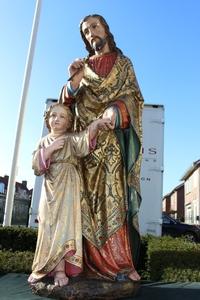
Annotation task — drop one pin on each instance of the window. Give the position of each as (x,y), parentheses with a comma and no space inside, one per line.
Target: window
(2,187)
(189,185)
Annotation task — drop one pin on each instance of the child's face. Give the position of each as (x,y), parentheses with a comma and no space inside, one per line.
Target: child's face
(58,119)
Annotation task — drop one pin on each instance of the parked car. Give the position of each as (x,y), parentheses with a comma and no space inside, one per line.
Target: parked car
(176,228)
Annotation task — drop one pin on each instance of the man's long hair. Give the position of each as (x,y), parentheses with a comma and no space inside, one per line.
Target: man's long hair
(110,37)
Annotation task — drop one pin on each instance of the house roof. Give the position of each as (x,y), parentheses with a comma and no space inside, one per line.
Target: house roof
(178,187)
(191,169)
(21,185)
(188,173)
(174,190)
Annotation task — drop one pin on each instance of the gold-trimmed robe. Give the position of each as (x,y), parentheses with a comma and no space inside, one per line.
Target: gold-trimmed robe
(111,173)
(60,230)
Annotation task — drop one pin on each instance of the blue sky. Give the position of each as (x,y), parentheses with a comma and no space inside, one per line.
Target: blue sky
(161,37)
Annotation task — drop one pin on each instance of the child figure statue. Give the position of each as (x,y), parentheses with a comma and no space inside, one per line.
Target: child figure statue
(59,243)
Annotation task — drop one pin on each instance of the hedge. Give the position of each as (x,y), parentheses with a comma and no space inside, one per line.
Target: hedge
(172,259)
(15,262)
(17,238)
(161,258)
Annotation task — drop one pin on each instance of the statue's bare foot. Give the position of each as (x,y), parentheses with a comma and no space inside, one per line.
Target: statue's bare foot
(60,279)
(134,276)
(32,280)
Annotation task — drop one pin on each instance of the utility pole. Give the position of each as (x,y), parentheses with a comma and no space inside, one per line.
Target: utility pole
(27,74)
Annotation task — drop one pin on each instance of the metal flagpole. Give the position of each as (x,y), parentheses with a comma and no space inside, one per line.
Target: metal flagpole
(27,74)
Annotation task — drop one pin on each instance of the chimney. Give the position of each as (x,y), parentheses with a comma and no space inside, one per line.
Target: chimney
(6,177)
(24,183)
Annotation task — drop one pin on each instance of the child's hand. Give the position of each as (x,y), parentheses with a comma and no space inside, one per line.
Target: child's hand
(57,143)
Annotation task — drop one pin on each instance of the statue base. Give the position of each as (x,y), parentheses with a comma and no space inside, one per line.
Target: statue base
(81,288)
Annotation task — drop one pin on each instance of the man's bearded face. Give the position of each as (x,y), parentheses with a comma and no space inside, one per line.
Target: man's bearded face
(95,33)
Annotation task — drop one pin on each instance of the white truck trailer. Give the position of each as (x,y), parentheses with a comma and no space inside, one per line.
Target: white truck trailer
(150,215)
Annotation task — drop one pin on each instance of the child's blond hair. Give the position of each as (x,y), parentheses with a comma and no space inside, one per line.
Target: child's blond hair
(49,110)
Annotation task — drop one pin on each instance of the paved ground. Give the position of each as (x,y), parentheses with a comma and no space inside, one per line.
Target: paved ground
(169,291)
(14,287)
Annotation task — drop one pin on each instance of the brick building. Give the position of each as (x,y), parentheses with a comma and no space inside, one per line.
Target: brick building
(22,201)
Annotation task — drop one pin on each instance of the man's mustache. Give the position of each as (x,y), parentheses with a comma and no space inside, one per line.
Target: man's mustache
(98,43)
